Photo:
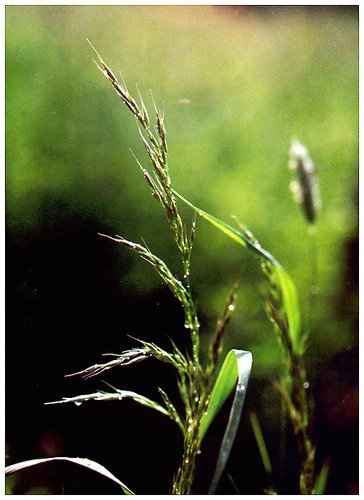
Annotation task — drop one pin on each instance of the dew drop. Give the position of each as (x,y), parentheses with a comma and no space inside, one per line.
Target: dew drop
(199,452)
(78,403)
(231,307)
(306,385)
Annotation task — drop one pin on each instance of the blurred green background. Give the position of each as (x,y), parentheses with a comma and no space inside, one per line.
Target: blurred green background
(237,85)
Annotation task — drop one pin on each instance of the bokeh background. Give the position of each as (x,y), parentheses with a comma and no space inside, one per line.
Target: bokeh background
(237,85)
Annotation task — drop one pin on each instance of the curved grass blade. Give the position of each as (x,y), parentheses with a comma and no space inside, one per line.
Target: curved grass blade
(85,462)
(231,371)
(245,239)
(290,302)
(235,371)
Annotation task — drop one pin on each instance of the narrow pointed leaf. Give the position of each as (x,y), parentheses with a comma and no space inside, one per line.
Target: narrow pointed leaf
(235,372)
(241,238)
(89,464)
(286,285)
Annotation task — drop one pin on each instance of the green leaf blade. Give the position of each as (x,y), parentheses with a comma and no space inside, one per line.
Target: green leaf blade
(235,372)
(291,306)
(225,383)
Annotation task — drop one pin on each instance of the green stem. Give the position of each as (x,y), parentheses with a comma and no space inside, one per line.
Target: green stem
(313,285)
(303,425)
(193,325)
(183,480)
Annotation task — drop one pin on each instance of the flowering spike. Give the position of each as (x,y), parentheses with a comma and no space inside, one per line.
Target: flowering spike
(305,189)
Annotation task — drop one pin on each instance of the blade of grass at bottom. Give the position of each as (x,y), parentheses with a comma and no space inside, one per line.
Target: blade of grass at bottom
(235,372)
(89,464)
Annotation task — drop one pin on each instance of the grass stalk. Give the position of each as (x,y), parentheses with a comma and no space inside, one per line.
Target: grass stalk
(299,404)
(194,381)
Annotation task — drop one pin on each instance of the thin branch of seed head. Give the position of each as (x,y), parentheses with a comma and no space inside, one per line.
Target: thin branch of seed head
(176,359)
(156,161)
(143,107)
(117,395)
(162,269)
(154,184)
(123,93)
(156,191)
(125,358)
(215,349)
(161,131)
(173,413)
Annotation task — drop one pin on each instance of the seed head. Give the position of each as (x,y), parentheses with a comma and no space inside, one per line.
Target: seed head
(305,187)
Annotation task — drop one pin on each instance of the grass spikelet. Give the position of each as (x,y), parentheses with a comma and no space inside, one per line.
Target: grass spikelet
(305,188)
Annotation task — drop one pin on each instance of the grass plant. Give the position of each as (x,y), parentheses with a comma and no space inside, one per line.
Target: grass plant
(204,387)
